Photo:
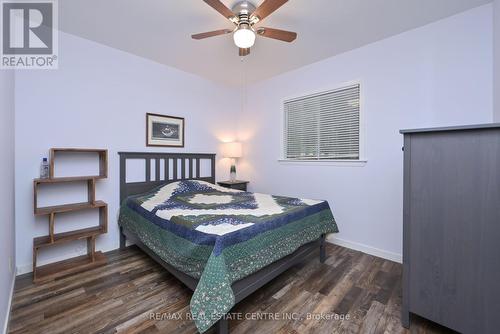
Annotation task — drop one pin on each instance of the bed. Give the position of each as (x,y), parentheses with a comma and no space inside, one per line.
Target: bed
(222,243)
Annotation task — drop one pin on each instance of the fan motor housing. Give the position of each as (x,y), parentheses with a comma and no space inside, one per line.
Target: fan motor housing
(243,8)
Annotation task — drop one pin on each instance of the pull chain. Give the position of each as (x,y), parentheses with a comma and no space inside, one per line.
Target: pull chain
(243,84)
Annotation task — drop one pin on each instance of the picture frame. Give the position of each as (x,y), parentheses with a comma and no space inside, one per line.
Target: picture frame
(164,131)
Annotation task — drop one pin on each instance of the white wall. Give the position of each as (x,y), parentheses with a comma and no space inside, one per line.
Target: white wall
(440,74)
(98,98)
(496,60)
(7,235)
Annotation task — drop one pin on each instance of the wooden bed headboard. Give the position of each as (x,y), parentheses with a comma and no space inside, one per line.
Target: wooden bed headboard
(171,172)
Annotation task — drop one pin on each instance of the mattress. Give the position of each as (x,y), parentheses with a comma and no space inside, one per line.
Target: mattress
(220,235)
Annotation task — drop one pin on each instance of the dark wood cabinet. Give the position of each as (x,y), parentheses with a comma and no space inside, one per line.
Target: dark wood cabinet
(238,184)
(451,232)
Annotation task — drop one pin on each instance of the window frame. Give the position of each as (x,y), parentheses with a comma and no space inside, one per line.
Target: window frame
(361,161)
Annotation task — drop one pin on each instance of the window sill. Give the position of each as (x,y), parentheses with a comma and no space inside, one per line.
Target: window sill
(341,163)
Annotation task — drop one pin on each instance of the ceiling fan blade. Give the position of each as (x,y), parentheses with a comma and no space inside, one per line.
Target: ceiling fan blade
(220,7)
(267,8)
(282,35)
(244,52)
(211,33)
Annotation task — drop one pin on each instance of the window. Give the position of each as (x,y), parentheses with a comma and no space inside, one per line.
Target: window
(323,126)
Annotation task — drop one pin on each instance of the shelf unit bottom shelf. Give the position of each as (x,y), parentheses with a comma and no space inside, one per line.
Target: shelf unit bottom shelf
(62,268)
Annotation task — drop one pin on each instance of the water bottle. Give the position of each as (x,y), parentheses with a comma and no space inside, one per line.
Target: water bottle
(44,169)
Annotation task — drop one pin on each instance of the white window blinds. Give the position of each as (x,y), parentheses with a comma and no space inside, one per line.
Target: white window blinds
(323,126)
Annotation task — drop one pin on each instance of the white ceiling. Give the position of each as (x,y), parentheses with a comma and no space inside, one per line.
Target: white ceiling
(160,30)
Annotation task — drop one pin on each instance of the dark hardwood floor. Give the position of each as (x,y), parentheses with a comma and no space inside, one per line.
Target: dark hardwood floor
(132,294)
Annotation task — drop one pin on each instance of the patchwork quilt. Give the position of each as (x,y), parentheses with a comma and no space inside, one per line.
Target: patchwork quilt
(220,235)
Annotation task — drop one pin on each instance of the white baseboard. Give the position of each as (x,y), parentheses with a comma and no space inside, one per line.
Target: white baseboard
(9,304)
(366,249)
(24,269)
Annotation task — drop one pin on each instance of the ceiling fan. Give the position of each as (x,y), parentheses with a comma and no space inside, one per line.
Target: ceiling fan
(244,15)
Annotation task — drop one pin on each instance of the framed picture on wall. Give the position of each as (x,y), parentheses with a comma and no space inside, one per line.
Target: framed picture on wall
(163,130)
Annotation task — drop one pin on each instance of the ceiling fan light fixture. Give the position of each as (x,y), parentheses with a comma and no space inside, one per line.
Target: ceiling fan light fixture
(244,15)
(244,37)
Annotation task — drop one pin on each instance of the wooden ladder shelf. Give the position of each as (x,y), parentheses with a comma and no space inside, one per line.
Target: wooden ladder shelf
(93,258)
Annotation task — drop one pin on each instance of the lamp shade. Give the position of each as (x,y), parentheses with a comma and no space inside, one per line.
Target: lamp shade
(232,150)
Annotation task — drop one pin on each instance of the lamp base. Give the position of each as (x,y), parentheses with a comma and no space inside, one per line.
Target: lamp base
(232,173)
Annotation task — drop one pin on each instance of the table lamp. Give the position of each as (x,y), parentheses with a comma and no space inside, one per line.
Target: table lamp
(233,151)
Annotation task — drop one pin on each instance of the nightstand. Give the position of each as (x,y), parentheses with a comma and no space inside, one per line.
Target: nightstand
(237,184)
